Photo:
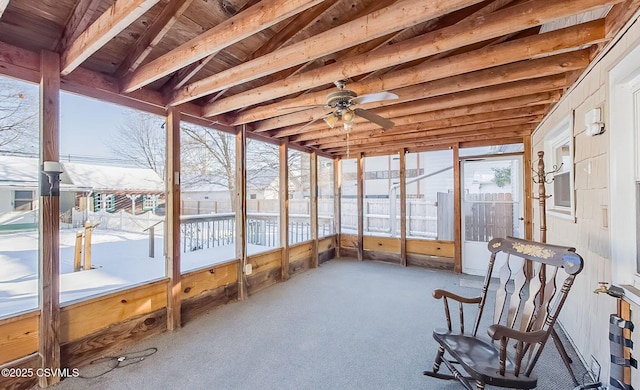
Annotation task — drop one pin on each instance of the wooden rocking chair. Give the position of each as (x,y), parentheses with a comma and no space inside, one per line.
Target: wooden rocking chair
(523,317)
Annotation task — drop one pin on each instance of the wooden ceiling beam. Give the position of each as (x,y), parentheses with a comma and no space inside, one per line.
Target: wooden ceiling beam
(392,147)
(182,77)
(254,19)
(483,78)
(415,109)
(78,21)
(619,15)
(529,69)
(402,14)
(504,53)
(115,19)
(420,122)
(153,35)
(429,133)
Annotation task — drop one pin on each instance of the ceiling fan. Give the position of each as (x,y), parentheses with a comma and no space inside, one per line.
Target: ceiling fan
(342,102)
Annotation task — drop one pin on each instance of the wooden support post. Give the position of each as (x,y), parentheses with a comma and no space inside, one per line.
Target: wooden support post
(88,230)
(241,211)
(403,208)
(77,254)
(624,312)
(337,204)
(457,209)
(314,209)
(49,227)
(172,173)
(528,198)
(284,209)
(360,199)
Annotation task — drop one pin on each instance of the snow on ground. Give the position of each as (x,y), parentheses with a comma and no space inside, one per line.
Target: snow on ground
(118,259)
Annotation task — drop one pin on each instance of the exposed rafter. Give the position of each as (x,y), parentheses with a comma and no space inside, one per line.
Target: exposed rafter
(115,19)
(78,22)
(254,19)
(403,14)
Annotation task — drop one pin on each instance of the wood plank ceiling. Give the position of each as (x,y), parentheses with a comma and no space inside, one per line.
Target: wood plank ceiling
(465,71)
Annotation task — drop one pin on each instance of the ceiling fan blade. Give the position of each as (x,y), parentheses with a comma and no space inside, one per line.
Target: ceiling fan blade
(375,118)
(374,97)
(315,120)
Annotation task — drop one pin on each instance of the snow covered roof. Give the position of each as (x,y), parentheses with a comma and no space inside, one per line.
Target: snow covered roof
(22,170)
(103,177)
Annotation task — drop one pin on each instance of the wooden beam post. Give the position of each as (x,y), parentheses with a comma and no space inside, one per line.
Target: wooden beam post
(172,173)
(457,210)
(314,209)
(241,210)
(337,204)
(360,199)
(528,194)
(49,227)
(284,209)
(403,208)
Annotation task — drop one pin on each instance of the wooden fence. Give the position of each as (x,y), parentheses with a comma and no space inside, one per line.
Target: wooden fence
(488,215)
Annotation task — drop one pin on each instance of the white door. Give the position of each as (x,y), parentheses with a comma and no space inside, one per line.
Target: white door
(491,207)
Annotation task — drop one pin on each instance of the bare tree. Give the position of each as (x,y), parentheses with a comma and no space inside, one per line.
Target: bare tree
(141,140)
(18,113)
(208,157)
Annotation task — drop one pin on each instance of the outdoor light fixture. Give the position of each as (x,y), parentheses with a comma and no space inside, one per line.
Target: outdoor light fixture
(593,122)
(50,186)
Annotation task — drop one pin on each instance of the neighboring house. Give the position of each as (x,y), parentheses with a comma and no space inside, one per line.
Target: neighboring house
(82,186)
(114,188)
(19,193)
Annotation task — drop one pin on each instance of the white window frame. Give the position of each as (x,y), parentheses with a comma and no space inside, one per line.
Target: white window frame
(624,173)
(23,200)
(560,135)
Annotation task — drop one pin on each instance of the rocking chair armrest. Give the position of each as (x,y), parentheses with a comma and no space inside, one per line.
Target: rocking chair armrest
(497,332)
(439,294)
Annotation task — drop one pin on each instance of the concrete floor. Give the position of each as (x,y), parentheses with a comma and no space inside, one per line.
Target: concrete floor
(345,325)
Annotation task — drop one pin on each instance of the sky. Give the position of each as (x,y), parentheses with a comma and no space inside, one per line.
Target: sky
(86,125)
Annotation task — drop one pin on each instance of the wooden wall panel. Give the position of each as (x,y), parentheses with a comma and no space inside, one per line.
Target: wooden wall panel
(107,341)
(431,248)
(18,336)
(203,281)
(17,383)
(87,317)
(348,241)
(300,251)
(266,261)
(382,244)
(327,243)
(193,307)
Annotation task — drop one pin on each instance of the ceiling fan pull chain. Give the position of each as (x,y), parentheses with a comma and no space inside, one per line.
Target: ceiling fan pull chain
(348,145)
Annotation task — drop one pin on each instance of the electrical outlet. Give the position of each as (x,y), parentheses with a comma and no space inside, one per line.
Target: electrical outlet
(595,368)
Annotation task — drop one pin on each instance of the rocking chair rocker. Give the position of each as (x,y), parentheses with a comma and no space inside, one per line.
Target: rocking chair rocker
(523,317)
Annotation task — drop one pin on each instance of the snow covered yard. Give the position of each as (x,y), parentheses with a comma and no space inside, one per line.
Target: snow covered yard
(119,259)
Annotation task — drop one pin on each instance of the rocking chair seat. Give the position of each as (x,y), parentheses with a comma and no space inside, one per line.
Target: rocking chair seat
(481,359)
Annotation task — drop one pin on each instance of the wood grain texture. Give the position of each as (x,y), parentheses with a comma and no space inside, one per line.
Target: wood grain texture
(389,19)
(241,210)
(457,210)
(107,341)
(386,257)
(204,281)
(261,280)
(120,15)
(326,243)
(87,317)
(327,255)
(431,247)
(403,208)
(232,30)
(174,252)
(284,208)
(194,307)
(360,200)
(17,383)
(298,266)
(266,260)
(382,244)
(301,251)
(49,226)
(436,262)
(314,208)
(19,336)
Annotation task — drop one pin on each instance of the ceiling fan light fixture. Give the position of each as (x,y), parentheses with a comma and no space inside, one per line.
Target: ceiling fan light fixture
(347,125)
(331,120)
(348,117)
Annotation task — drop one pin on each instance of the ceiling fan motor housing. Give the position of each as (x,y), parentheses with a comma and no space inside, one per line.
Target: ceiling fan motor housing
(340,100)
